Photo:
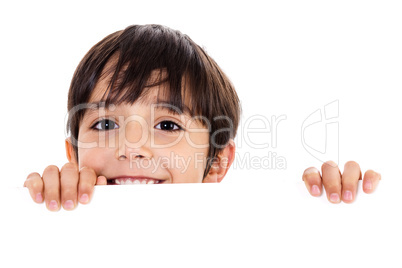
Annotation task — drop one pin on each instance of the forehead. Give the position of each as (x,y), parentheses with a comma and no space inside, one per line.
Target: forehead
(155,88)
(156,97)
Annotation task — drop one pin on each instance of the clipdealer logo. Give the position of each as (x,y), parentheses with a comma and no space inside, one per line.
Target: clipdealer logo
(320,133)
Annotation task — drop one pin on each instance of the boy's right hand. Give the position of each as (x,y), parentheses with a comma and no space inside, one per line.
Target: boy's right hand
(65,187)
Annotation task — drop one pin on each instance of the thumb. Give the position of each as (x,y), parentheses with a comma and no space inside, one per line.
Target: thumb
(101,180)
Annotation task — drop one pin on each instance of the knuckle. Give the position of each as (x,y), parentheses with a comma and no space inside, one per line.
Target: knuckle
(50,187)
(312,177)
(352,164)
(34,182)
(88,171)
(370,173)
(311,170)
(69,193)
(332,182)
(69,166)
(347,185)
(51,193)
(36,185)
(87,177)
(51,169)
(33,175)
(85,187)
(329,164)
(332,185)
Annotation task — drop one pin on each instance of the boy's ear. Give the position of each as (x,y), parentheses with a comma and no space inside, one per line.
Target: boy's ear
(70,153)
(221,163)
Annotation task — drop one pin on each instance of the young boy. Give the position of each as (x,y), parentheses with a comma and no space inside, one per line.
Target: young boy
(148,106)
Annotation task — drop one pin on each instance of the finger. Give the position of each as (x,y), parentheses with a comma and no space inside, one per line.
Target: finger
(86,184)
(101,180)
(350,178)
(370,181)
(331,178)
(51,181)
(312,179)
(34,184)
(69,186)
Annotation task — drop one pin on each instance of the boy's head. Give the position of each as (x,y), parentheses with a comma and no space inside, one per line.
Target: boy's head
(135,77)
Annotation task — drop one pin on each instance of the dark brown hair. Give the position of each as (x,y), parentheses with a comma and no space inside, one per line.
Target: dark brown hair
(142,49)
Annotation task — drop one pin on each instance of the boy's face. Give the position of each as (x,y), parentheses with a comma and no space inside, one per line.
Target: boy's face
(142,143)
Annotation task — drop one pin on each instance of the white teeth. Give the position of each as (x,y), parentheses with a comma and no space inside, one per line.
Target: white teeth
(129,181)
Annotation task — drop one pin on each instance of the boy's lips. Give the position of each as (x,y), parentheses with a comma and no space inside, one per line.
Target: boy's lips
(126,180)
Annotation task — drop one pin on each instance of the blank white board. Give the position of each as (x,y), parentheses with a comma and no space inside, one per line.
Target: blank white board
(273,222)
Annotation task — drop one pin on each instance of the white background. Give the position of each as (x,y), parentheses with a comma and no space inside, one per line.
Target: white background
(285,58)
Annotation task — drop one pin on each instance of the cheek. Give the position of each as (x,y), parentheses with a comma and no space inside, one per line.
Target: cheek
(95,158)
(198,140)
(163,140)
(97,151)
(191,159)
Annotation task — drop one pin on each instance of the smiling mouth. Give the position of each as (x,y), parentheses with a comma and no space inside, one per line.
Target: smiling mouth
(129,181)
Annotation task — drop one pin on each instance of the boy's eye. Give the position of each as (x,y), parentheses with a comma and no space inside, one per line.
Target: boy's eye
(105,124)
(168,126)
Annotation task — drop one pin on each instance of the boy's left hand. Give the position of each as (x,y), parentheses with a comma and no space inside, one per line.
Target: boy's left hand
(339,186)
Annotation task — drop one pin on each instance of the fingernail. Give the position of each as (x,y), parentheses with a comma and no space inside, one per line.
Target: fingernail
(38,198)
(334,198)
(69,204)
(53,205)
(368,185)
(84,198)
(347,195)
(315,190)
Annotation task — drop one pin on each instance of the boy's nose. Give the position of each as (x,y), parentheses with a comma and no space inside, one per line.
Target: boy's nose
(134,141)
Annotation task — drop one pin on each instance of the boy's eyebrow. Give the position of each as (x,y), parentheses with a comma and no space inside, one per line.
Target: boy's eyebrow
(164,105)
(160,105)
(93,106)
